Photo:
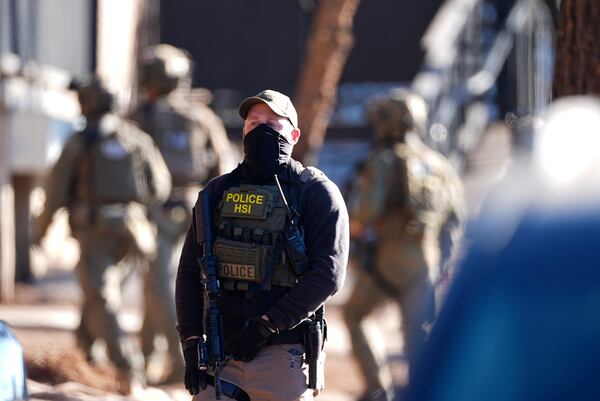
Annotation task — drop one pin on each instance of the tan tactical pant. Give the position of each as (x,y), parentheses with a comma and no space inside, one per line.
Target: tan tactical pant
(101,273)
(276,374)
(404,270)
(159,292)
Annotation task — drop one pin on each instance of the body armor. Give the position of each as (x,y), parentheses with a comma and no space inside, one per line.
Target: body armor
(182,141)
(249,246)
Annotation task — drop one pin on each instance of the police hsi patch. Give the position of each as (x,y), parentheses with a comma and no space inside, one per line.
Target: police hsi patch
(246,203)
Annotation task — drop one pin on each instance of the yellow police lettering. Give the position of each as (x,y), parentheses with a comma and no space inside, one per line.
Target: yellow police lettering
(242,208)
(245,198)
(247,272)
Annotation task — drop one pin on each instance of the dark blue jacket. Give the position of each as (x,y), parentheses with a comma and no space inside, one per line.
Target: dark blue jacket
(326,233)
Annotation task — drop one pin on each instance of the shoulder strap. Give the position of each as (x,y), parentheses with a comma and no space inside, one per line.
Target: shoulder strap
(86,164)
(230,180)
(294,172)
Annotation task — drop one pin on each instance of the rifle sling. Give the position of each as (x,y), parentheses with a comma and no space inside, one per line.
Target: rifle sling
(229,389)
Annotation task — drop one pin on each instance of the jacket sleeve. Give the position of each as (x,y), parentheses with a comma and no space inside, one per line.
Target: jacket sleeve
(58,185)
(188,287)
(159,178)
(371,189)
(326,235)
(452,227)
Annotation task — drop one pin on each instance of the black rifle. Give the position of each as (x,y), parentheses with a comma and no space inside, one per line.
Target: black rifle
(315,335)
(211,346)
(294,241)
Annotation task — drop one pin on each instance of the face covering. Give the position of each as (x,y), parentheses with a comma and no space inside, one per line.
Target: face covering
(264,151)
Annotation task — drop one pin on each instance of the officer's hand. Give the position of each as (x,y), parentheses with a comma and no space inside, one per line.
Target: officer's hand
(195,379)
(257,331)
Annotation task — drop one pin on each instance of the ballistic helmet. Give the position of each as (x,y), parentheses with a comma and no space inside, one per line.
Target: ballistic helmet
(94,97)
(397,113)
(164,68)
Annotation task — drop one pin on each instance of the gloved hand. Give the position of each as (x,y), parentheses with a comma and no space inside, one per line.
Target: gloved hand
(255,333)
(195,379)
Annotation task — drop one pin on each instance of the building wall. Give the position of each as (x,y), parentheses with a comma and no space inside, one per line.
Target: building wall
(252,44)
(54,32)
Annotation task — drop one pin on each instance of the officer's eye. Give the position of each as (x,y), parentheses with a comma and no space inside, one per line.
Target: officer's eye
(275,124)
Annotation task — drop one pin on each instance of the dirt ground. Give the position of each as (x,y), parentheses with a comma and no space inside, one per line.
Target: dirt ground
(51,358)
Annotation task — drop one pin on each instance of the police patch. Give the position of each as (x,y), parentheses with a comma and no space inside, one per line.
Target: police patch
(113,149)
(237,271)
(245,203)
(178,140)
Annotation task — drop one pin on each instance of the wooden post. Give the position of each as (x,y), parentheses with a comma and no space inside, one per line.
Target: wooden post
(7,217)
(328,47)
(22,187)
(577,49)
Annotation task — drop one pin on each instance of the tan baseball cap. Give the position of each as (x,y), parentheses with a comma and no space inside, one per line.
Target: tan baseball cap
(278,102)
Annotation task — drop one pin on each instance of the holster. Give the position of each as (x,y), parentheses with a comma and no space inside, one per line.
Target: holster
(315,335)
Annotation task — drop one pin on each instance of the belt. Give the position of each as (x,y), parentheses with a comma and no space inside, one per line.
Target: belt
(229,389)
(292,336)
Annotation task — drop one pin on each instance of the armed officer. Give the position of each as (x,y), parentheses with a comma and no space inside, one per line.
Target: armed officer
(272,286)
(194,144)
(407,211)
(108,176)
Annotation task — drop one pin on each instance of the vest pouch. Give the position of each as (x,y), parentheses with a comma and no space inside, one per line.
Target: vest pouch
(241,261)
(183,145)
(118,173)
(111,218)
(129,220)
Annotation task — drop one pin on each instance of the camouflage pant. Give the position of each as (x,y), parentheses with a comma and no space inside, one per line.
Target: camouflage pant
(159,280)
(101,273)
(410,287)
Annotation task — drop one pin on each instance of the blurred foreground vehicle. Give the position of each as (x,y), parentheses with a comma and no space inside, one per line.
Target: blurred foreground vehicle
(520,322)
(485,60)
(13,385)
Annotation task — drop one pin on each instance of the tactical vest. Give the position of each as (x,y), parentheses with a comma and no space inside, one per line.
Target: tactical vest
(112,171)
(428,187)
(182,143)
(249,246)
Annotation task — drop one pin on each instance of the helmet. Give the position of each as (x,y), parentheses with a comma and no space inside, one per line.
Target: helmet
(164,68)
(397,113)
(94,97)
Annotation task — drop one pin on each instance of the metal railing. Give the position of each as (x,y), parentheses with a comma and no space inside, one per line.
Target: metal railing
(470,55)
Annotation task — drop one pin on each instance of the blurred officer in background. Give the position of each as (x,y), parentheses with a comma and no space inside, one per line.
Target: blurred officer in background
(108,176)
(520,319)
(194,144)
(272,285)
(407,201)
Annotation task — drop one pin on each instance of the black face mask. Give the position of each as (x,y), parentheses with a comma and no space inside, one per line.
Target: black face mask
(265,150)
